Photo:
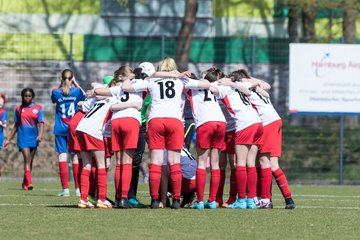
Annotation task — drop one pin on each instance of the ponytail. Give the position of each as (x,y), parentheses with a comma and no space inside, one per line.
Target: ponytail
(66,87)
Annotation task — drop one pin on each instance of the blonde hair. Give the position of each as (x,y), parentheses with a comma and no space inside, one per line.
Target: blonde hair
(66,84)
(167,65)
(122,73)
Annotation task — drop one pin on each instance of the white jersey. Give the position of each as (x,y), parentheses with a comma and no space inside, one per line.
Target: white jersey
(239,107)
(95,120)
(188,163)
(204,106)
(230,122)
(166,95)
(265,109)
(125,97)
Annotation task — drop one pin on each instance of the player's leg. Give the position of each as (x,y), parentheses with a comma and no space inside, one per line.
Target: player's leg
(63,156)
(203,154)
(266,181)
(222,165)
(251,177)
(101,180)
(282,182)
(175,176)
(27,183)
(85,177)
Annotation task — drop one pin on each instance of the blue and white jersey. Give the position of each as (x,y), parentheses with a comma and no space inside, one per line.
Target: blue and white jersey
(66,107)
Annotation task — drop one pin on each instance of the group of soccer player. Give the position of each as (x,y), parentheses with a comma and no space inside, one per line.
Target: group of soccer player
(234,119)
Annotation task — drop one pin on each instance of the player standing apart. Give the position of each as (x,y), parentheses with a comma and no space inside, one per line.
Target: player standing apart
(29,125)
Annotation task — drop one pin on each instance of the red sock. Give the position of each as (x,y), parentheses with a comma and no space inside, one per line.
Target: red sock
(220,191)
(28,179)
(266,179)
(259,183)
(241,181)
(154,180)
(200,184)
(63,171)
(126,173)
(24,179)
(214,184)
(117,181)
(93,183)
(75,167)
(102,184)
(79,172)
(282,183)
(233,186)
(176,179)
(84,184)
(251,181)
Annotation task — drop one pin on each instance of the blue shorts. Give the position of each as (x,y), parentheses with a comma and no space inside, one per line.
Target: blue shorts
(61,144)
(1,140)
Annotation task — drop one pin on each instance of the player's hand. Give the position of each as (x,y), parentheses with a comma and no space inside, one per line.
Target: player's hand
(90,93)
(185,74)
(6,144)
(38,138)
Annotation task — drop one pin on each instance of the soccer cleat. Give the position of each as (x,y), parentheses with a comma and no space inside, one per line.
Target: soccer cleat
(290,204)
(135,203)
(77,192)
(188,198)
(24,186)
(266,204)
(123,203)
(210,205)
(64,193)
(240,203)
(83,204)
(92,200)
(197,205)
(30,187)
(250,203)
(258,202)
(175,204)
(155,204)
(103,204)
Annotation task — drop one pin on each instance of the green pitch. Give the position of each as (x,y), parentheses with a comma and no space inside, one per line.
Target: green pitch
(323,212)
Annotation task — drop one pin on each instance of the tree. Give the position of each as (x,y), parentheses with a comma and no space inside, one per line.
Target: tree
(349,20)
(293,21)
(185,34)
(309,11)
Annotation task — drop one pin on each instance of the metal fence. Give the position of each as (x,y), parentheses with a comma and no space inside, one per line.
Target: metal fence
(311,144)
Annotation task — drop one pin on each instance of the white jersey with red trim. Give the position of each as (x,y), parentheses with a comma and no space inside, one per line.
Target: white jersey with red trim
(204,106)
(264,107)
(94,121)
(239,107)
(230,122)
(166,95)
(125,97)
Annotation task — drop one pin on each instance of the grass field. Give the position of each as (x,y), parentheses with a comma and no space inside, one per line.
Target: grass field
(323,212)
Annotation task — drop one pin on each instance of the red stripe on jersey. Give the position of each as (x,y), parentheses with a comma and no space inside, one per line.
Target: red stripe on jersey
(227,105)
(66,120)
(144,94)
(253,105)
(191,100)
(107,118)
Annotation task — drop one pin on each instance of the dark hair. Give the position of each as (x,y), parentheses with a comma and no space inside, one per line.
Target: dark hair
(23,104)
(239,74)
(3,97)
(139,74)
(193,76)
(213,74)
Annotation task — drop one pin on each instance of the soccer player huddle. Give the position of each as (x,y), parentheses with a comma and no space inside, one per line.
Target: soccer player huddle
(235,123)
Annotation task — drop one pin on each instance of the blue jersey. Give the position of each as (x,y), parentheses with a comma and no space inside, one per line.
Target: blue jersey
(27,122)
(3,119)
(66,107)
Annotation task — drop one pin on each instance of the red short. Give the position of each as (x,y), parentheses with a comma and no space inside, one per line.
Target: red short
(89,143)
(229,143)
(165,133)
(251,135)
(210,135)
(272,139)
(73,144)
(124,133)
(108,150)
(188,185)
